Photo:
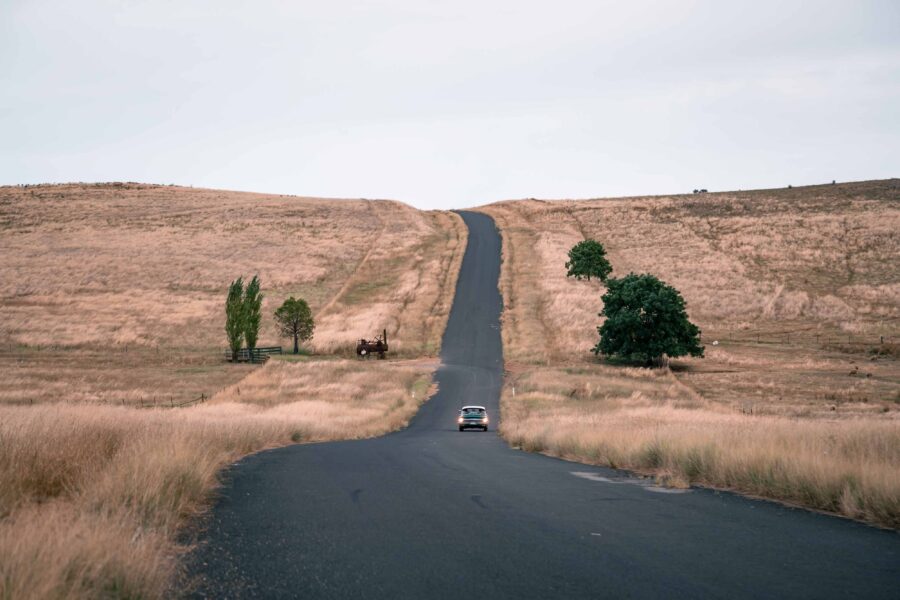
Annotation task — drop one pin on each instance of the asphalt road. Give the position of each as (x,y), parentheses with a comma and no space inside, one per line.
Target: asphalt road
(429,512)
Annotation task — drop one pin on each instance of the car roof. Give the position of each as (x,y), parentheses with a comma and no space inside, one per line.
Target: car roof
(473,406)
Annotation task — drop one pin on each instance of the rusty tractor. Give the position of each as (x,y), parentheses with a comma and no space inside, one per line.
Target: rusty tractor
(366,348)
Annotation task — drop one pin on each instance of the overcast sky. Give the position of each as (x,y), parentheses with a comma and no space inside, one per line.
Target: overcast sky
(450,104)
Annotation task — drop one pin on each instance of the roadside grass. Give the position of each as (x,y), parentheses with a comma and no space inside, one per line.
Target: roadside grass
(93,497)
(796,287)
(646,421)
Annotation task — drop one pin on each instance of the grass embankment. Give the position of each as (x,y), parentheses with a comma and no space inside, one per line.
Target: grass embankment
(111,297)
(798,401)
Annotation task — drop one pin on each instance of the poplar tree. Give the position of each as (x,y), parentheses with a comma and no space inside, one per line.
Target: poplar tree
(234,316)
(252,314)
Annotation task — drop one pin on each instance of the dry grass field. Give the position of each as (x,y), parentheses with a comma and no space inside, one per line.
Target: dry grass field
(800,290)
(93,497)
(112,311)
(116,291)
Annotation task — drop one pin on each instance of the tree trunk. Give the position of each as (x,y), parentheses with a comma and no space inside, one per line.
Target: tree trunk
(296,344)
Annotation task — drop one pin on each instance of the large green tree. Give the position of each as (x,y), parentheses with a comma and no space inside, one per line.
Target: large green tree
(295,320)
(645,318)
(587,259)
(234,316)
(252,313)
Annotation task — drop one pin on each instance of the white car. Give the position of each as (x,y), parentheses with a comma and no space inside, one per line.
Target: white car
(473,417)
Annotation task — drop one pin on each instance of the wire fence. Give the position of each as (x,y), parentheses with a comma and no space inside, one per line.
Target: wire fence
(141,402)
(172,403)
(795,337)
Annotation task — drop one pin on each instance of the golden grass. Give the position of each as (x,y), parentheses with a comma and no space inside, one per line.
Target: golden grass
(644,420)
(808,261)
(112,375)
(117,278)
(92,497)
(405,284)
(796,286)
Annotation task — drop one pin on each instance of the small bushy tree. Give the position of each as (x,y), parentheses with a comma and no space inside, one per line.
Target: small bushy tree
(234,316)
(252,309)
(295,321)
(587,259)
(645,318)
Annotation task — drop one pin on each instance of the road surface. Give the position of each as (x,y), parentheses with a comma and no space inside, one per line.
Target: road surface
(429,512)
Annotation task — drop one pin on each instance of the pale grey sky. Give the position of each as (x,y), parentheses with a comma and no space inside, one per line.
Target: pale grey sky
(450,104)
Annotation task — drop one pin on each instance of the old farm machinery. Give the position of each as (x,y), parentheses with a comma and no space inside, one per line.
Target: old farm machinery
(366,348)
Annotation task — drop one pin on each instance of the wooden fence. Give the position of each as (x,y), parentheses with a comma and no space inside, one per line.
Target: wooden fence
(259,355)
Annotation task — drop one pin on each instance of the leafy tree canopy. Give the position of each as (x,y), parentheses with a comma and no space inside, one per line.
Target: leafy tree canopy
(295,320)
(645,318)
(587,259)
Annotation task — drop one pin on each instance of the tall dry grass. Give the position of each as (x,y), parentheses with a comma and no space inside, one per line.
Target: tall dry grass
(790,268)
(647,422)
(92,497)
